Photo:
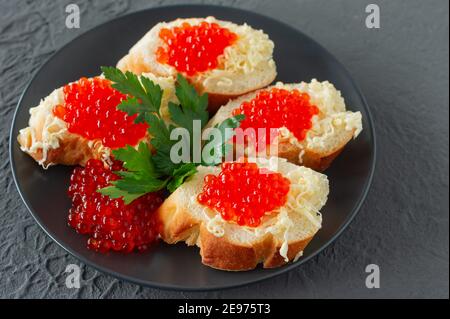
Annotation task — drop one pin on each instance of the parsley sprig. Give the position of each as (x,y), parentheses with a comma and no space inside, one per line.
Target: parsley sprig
(149,170)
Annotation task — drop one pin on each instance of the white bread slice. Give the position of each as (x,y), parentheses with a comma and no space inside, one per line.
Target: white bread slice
(332,128)
(245,66)
(280,238)
(48,141)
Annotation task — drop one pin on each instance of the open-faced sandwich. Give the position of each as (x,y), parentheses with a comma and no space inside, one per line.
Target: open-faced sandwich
(218,57)
(148,171)
(311,121)
(241,214)
(81,121)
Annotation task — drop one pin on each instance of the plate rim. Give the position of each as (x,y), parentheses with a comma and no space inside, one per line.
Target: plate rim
(152,284)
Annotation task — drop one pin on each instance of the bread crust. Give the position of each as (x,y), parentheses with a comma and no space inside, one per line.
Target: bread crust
(318,161)
(72,150)
(221,253)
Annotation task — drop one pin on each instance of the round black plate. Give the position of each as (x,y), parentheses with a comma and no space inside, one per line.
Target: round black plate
(178,266)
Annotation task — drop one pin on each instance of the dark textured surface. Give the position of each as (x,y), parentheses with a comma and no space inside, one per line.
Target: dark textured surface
(403,225)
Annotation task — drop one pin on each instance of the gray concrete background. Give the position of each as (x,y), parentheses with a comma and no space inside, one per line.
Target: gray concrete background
(403,225)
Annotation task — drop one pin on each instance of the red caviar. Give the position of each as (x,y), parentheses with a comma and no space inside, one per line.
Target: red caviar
(110,224)
(90,110)
(244,193)
(276,108)
(194,48)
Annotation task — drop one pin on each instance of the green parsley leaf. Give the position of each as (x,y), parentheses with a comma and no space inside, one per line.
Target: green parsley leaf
(146,171)
(180,174)
(192,106)
(135,184)
(136,160)
(114,192)
(220,148)
(159,131)
(140,176)
(132,106)
(154,92)
(147,92)
(162,143)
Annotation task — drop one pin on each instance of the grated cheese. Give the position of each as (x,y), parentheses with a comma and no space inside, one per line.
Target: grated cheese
(307,194)
(45,130)
(252,52)
(332,115)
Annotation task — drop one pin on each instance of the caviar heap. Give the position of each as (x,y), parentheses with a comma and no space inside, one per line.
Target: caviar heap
(90,110)
(244,193)
(276,108)
(191,49)
(110,224)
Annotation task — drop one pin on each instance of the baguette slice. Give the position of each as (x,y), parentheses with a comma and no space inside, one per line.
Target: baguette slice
(246,65)
(47,140)
(280,238)
(332,128)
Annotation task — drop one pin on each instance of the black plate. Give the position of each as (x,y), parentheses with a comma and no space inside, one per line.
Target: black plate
(178,267)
